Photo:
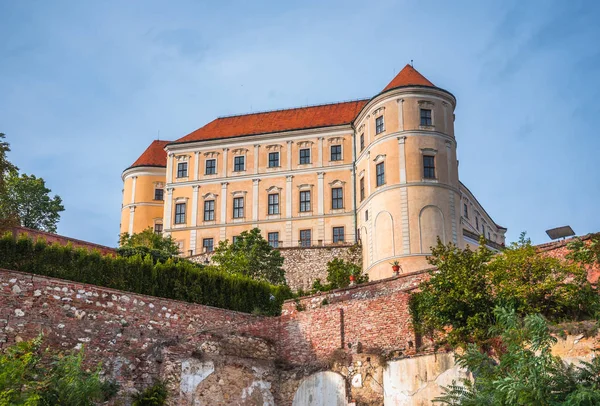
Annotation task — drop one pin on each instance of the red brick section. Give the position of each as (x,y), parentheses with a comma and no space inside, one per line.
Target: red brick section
(326,115)
(373,317)
(154,155)
(558,249)
(62,240)
(408,76)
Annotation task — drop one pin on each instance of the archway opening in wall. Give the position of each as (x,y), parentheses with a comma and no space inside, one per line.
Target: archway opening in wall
(431,226)
(321,389)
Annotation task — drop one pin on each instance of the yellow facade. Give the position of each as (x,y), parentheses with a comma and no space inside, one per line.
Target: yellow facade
(398,176)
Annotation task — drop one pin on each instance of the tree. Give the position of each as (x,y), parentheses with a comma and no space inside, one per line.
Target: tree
(338,275)
(32,376)
(457,301)
(251,255)
(159,247)
(8,218)
(29,198)
(585,252)
(525,372)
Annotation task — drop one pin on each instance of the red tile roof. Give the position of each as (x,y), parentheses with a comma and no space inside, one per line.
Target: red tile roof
(277,121)
(408,76)
(154,155)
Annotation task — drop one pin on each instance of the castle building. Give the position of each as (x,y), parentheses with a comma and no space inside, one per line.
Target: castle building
(380,171)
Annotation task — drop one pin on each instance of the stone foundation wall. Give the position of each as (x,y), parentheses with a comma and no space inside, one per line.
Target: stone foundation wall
(303,266)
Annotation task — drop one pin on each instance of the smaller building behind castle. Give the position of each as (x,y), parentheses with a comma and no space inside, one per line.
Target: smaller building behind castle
(380,171)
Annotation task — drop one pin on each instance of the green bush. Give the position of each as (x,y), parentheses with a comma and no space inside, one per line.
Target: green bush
(155,395)
(338,275)
(30,375)
(180,280)
(457,302)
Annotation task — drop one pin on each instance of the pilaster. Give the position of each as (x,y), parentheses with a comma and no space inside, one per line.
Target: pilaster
(194,221)
(255,183)
(133,183)
(256,151)
(131,219)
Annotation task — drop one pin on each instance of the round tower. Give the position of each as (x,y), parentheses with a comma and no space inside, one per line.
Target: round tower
(406,174)
(144,190)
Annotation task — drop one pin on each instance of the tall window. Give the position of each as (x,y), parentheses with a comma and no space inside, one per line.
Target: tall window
(273,159)
(208,244)
(305,200)
(380,172)
(305,238)
(304,156)
(477,223)
(159,194)
(209,210)
(182,170)
(273,239)
(425,117)
(274,203)
(362,189)
(379,125)
(338,234)
(337,198)
(180,213)
(336,153)
(362,142)
(211,167)
(239,164)
(366,215)
(235,239)
(466,211)
(158,228)
(238,207)
(428,167)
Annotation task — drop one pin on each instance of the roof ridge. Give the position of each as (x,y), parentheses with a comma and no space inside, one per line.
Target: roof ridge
(294,108)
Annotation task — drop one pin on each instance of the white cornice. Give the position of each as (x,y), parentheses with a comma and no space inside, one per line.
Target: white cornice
(144,171)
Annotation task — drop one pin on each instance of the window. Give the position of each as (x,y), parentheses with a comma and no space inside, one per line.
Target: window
(180,213)
(477,223)
(380,173)
(466,211)
(362,142)
(428,167)
(305,201)
(239,164)
(482,229)
(305,238)
(158,228)
(273,239)
(209,210)
(362,189)
(235,239)
(238,207)
(366,215)
(337,198)
(274,203)
(336,152)
(208,244)
(338,234)
(425,117)
(379,125)
(273,159)
(304,156)
(159,194)
(211,167)
(182,170)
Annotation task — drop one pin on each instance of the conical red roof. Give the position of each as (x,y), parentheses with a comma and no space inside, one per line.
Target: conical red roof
(408,76)
(154,155)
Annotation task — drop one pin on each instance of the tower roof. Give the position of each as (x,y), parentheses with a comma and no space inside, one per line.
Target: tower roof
(325,115)
(154,155)
(408,76)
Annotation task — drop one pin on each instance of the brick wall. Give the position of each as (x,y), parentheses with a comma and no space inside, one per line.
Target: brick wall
(558,249)
(62,240)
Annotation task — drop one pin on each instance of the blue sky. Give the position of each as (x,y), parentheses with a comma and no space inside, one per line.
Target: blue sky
(86,86)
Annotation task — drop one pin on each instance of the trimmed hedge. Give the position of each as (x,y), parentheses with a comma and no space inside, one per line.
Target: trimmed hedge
(180,280)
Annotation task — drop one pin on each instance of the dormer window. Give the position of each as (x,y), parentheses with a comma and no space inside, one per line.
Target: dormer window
(379,125)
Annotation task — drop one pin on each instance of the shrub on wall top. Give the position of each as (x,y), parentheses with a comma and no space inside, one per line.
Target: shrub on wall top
(178,280)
